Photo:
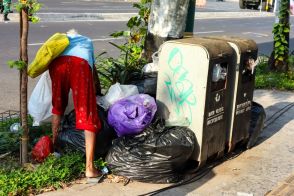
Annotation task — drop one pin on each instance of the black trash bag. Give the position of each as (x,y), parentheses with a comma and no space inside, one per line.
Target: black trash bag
(148,84)
(70,138)
(256,123)
(157,155)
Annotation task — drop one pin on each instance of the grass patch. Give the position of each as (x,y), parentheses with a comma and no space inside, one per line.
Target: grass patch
(52,174)
(266,79)
(32,179)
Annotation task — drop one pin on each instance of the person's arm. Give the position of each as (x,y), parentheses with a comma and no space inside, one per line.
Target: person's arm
(56,119)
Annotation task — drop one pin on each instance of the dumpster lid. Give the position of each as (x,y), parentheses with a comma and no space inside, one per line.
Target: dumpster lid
(244,44)
(215,48)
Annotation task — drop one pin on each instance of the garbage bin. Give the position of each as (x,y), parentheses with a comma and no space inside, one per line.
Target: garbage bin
(238,122)
(192,90)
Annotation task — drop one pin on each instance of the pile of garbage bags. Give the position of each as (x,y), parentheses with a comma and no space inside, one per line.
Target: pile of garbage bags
(156,155)
(135,141)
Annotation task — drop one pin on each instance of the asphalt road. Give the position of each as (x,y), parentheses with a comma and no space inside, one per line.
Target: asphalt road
(258,29)
(85,6)
(100,6)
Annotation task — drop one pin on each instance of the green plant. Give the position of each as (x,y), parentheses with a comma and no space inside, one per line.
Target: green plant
(281,46)
(9,141)
(137,26)
(17,64)
(33,7)
(130,62)
(267,79)
(100,163)
(52,174)
(112,70)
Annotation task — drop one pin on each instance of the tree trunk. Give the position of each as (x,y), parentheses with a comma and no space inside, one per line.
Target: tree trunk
(167,21)
(24,83)
(20,37)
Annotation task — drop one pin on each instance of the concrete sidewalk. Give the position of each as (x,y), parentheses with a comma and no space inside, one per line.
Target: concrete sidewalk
(255,172)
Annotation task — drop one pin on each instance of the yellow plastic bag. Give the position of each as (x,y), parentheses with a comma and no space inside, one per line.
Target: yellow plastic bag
(51,49)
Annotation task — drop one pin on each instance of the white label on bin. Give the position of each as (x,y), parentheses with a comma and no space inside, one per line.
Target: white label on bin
(243,107)
(215,116)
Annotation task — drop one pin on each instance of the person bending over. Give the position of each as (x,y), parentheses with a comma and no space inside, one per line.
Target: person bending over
(73,69)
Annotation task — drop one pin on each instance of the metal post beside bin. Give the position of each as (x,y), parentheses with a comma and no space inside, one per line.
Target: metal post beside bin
(192,90)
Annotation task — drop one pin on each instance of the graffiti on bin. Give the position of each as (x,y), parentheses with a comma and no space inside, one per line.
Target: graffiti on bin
(180,88)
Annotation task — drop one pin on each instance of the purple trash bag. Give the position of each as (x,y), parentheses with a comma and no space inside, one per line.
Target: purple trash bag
(131,115)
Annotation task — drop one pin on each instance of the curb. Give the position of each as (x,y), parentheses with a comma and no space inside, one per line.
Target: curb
(217,15)
(67,17)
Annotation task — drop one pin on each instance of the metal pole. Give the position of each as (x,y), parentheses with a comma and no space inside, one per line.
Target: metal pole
(277,10)
(190,17)
(276,6)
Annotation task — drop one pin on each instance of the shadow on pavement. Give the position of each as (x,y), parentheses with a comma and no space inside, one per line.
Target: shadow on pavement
(278,115)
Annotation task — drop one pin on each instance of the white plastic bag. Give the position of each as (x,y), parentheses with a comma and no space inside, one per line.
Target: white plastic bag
(115,93)
(40,103)
(152,67)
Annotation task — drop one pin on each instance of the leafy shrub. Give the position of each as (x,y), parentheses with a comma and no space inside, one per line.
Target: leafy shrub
(53,173)
(130,62)
(112,70)
(267,79)
(9,141)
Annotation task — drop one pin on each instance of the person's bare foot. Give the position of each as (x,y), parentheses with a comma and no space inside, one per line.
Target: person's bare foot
(92,173)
